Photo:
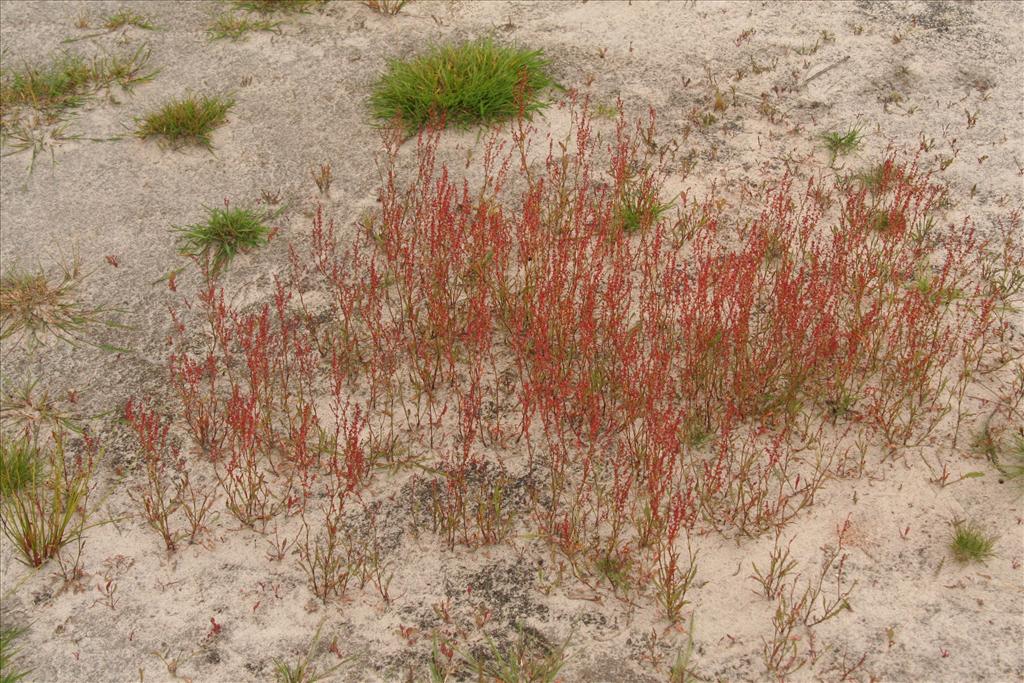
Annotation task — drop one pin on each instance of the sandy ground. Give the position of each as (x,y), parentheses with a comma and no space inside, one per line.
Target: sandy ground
(915,613)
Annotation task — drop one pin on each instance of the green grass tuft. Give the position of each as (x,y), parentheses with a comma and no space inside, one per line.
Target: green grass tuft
(189,119)
(640,207)
(235,28)
(19,463)
(225,233)
(8,673)
(842,143)
(49,511)
(478,82)
(970,542)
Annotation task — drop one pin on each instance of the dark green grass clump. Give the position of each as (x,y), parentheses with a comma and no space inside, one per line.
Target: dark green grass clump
(478,82)
(190,119)
(225,233)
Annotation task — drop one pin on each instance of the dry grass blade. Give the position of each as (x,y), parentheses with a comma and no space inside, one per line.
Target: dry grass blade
(23,410)
(36,305)
(388,7)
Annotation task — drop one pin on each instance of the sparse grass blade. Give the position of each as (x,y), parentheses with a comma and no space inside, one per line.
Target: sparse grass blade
(283,6)
(478,82)
(231,27)
(127,71)
(126,17)
(58,84)
(190,119)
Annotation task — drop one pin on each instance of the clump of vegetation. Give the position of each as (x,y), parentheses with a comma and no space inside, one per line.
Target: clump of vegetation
(1011,464)
(8,653)
(303,670)
(873,179)
(47,512)
(37,305)
(19,460)
(269,6)
(67,80)
(59,84)
(461,85)
(640,208)
(971,542)
(606,111)
(1006,451)
(189,119)
(126,17)
(529,658)
(24,410)
(388,7)
(235,28)
(842,143)
(226,232)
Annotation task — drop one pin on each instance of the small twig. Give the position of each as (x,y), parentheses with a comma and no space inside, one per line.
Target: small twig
(826,69)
